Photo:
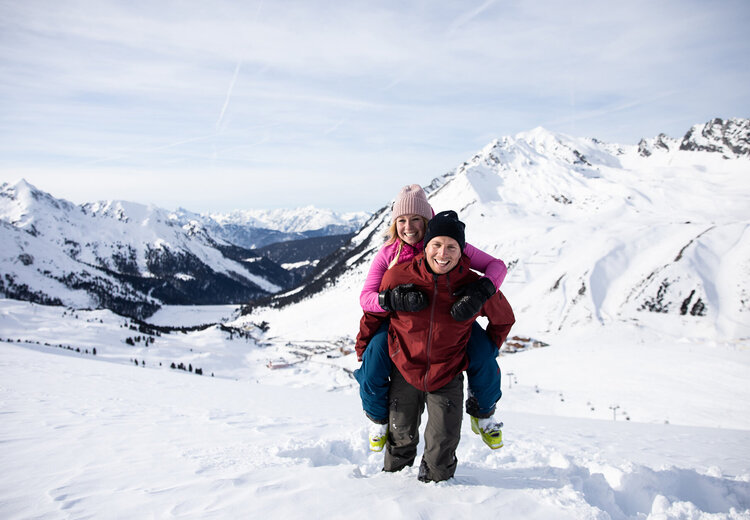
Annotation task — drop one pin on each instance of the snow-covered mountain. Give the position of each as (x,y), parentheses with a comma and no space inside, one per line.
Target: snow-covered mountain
(595,232)
(308,219)
(131,258)
(253,229)
(590,231)
(119,255)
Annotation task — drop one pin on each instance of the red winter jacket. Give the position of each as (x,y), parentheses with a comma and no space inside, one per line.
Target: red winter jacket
(429,347)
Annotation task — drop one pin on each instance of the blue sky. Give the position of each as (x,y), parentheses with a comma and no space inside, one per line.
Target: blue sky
(222,105)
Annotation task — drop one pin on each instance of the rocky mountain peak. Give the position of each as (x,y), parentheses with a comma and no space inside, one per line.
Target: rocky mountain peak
(729,137)
(661,143)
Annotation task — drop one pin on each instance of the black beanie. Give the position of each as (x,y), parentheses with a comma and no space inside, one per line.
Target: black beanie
(446,224)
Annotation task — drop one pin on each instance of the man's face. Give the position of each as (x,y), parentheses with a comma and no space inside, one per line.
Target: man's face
(443,254)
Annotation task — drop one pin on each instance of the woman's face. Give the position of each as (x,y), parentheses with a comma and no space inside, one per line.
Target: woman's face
(410,228)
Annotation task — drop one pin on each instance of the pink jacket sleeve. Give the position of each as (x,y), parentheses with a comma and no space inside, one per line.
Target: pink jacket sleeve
(368,298)
(493,268)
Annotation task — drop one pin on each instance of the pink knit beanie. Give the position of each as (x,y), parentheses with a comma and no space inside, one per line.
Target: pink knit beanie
(411,201)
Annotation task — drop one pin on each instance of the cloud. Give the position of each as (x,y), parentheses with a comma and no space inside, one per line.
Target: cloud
(388,92)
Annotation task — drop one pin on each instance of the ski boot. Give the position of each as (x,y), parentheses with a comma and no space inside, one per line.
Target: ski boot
(378,436)
(489,430)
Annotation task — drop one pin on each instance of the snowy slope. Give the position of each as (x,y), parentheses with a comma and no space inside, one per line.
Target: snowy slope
(88,435)
(662,234)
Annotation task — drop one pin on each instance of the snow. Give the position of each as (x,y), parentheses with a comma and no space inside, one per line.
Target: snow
(97,436)
(191,315)
(628,413)
(297,265)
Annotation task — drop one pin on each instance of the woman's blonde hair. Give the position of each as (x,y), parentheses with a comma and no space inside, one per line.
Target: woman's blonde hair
(391,236)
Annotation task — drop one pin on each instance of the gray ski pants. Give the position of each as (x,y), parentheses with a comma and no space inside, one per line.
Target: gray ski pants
(442,432)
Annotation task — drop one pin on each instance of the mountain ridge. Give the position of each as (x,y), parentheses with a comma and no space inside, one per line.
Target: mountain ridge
(591,232)
(657,226)
(122,255)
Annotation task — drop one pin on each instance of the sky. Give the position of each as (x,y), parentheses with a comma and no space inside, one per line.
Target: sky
(224,105)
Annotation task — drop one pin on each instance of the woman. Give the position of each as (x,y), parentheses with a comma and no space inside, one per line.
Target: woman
(410,214)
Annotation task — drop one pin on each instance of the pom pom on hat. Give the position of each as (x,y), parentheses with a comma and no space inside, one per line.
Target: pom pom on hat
(412,200)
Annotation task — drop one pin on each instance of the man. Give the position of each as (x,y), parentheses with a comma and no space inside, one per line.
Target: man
(428,347)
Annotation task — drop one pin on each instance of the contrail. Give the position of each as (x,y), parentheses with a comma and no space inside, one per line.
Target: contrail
(234,77)
(229,94)
(467,17)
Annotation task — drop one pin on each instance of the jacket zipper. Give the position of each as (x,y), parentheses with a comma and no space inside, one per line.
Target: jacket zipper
(432,325)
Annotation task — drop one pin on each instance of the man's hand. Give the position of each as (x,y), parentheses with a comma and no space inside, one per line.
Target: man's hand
(403,298)
(471,297)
